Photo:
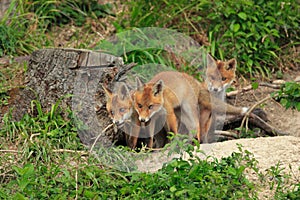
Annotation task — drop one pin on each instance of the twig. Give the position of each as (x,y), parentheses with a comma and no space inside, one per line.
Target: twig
(258,121)
(6,174)
(270,85)
(123,71)
(9,151)
(76,180)
(192,25)
(55,151)
(33,135)
(69,151)
(234,93)
(273,85)
(110,125)
(265,126)
(226,133)
(251,109)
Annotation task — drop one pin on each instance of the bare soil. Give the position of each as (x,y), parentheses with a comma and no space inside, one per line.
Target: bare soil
(287,121)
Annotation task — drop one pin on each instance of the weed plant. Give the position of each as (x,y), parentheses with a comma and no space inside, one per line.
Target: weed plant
(289,95)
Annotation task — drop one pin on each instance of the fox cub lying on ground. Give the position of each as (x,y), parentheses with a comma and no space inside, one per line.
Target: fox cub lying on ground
(153,106)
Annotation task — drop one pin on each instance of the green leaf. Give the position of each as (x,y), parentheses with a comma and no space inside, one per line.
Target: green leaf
(255,85)
(242,15)
(19,196)
(249,62)
(236,28)
(173,189)
(89,194)
(298,106)
(270,18)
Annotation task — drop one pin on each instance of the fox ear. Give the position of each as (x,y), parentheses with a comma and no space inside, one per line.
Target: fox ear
(107,91)
(220,64)
(123,91)
(231,64)
(211,63)
(158,87)
(139,83)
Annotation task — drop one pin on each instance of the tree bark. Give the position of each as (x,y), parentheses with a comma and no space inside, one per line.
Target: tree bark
(52,74)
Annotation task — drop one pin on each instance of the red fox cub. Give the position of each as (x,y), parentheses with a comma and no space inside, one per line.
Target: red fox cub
(119,104)
(165,92)
(219,74)
(120,110)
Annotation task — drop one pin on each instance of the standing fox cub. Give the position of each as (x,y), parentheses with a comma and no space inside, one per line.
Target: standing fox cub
(164,93)
(219,75)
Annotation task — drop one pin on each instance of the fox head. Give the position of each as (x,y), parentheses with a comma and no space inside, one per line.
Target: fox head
(219,74)
(119,104)
(148,99)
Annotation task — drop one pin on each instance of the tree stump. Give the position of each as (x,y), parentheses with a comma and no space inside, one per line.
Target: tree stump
(52,74)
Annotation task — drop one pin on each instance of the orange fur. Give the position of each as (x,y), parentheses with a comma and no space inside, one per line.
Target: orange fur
(167,91)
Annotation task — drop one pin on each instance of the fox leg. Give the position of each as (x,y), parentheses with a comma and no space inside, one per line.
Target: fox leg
(191,118)
(130,139)
(132,142)
(153,123)
(134,134)
(198,127)
(205,123)
(172,122)
(127,130)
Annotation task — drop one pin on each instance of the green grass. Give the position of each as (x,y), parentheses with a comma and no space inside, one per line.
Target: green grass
(42,157)
(26,23)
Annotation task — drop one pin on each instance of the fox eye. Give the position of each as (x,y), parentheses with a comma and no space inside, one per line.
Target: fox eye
(150,107)
(112,112)
(140,105)
(122,109)
(224,79)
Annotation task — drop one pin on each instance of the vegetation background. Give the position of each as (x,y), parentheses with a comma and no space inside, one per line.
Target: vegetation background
(41,155)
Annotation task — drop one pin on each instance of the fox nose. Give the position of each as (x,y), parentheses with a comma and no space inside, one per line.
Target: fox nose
(143,120)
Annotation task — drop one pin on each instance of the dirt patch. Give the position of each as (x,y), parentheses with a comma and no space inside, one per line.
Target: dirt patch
(285,120)
(282,150)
